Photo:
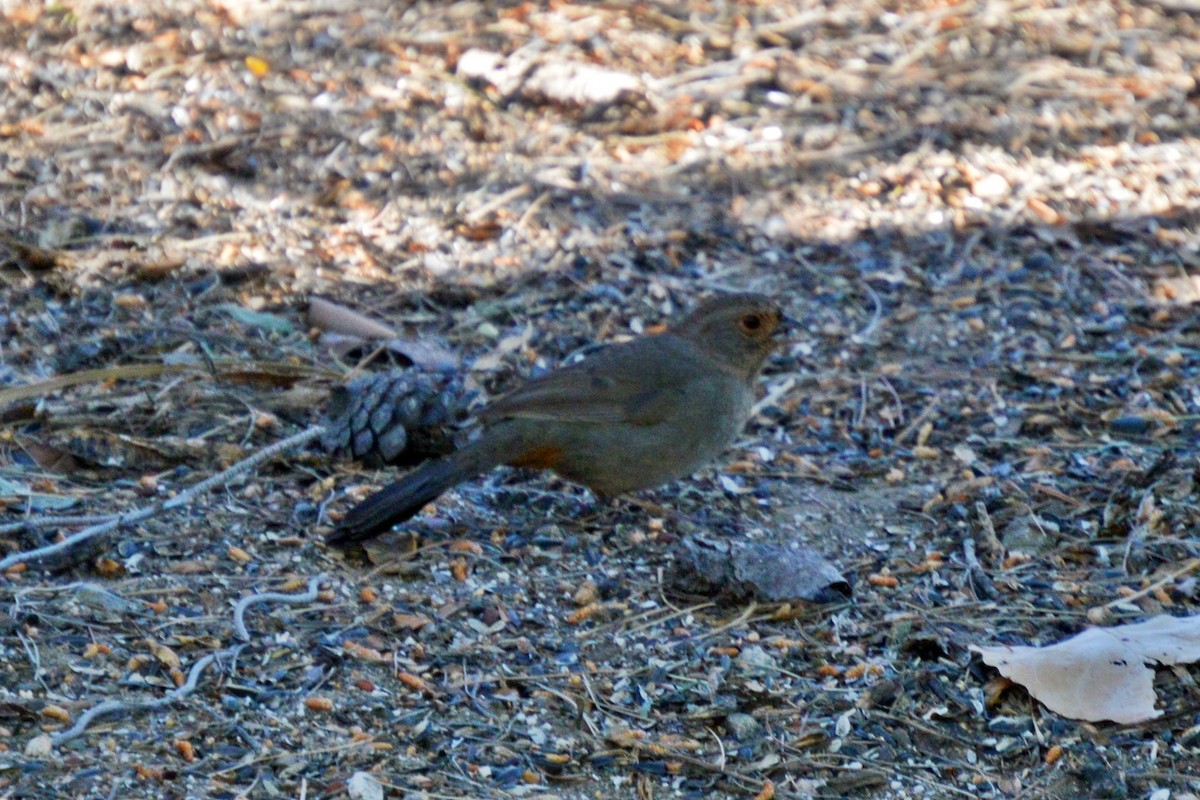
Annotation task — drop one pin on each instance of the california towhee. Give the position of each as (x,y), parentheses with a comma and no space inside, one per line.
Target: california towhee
(631,416)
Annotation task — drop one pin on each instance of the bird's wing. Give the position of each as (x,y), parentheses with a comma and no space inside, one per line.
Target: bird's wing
(613,385)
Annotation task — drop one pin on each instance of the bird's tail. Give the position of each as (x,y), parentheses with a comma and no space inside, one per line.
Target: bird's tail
(404,498)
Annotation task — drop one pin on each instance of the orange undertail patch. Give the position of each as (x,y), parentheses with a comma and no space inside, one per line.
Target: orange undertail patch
(545,456)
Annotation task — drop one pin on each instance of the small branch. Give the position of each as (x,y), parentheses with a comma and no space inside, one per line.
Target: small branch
(32,523)
(865,335)
(989,540)
(111,707)
(41,554)
(239,610)
(475,216)
(773,395)
(1190,566)
(918,421)
(984,588)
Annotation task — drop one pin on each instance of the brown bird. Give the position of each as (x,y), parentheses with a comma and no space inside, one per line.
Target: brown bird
(631,416)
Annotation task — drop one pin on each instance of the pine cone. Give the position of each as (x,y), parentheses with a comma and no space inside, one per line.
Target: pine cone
(398,417)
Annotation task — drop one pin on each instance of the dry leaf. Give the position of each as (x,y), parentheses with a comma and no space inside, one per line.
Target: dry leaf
(1102,673)
(1182,290)
(756,571)
(337,318)
(364,786)
(410,621)
(165,655)
(570,83)
(539,77)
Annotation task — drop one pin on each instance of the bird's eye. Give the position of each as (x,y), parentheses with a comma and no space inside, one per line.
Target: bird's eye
(751,322)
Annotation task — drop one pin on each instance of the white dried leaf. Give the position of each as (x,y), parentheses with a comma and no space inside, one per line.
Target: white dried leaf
(39,746)
(1102,673)
(364,786)
(965,455)
(509,344)
(571,83)
(505,74)
(1181,290)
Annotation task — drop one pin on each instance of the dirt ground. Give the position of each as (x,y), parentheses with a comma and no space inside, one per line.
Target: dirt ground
(984,216)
